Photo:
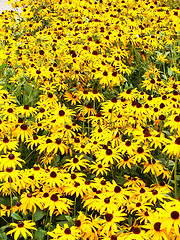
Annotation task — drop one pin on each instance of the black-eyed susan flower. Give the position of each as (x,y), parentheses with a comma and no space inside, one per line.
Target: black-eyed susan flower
(8,143)
(29,202)
(65,233)
(155,230)
(170,213)
(22,228)
(12,159)
(99,169)
(57,205)
(109,223)
(23,132)
(108,155)
(76,163)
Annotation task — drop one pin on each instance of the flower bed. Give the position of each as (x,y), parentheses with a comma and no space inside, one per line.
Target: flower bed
(90,120)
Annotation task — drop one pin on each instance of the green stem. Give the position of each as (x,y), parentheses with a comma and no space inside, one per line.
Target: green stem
(175,176)
(75,206)
(11,201)
(5,220)
(112,171)
(49,228)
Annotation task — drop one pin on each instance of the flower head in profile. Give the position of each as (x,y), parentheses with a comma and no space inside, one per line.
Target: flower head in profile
(22,228)
(65,233)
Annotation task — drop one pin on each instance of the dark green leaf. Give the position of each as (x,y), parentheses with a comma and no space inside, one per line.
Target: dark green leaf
(40,234)
(3,236)
(39,215)
(16,216)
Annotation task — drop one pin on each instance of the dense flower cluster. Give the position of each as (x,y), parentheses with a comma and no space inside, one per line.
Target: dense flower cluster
(90,120)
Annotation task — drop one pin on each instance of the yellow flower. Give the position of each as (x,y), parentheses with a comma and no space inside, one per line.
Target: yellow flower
(109,223)
(22,228)
(76,163)
(57,204)
(23,132)
(11,160)
(65,233)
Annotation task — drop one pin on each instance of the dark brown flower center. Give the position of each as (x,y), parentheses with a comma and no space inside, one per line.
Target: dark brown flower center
(53,174)
(67,231)
(177,119)
(117,189)
(113,237)
(77,223)
(11,156)
(61,113)
(29,195)
(58,141)
(107,200)
(103,182)
(108,152)
(140,150)
(108,217)
(128,143)
(136,230)
(174,215)
(75,160)
(5,140)
(20,224)
(157,226)
(36,168)
(9,169)
(154,192)
(54,198)
(24,126)
(26,107)
(177,141)
(73,176)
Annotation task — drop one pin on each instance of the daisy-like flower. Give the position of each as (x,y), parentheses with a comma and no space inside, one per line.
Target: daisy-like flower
(171,215)
(30,202)
(126,161)
(174,122)
(65,233)
(9,112)
(11,160)
(8,144)
(173,146)
(73,98)
(99,169)
(57,204)
(23,132)
(22,228)
(62,114)
(88,109)
(76,163)
(53,178)
(155,231)
(135,234)
(34,141)
(26,110)
(109,223)
(108,155)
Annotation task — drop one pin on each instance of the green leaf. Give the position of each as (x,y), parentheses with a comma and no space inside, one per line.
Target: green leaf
(3,236)
(3,228)
(39,215)
(16,216)
(63,160)
(130,220)
(170,71)
(61,218)
(68,218)
(63,222)
(40,234)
